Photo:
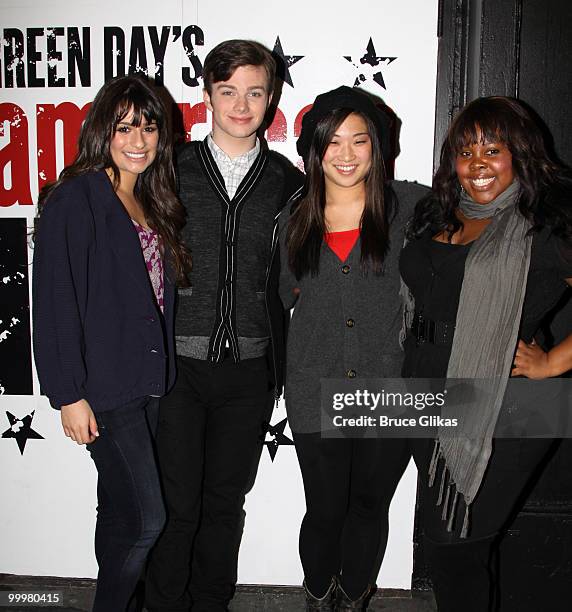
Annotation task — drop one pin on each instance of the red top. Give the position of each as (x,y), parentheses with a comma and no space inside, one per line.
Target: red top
(342,243)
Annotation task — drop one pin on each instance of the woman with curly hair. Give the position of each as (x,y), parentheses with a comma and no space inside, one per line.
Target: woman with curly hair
(107,259)
(489,256)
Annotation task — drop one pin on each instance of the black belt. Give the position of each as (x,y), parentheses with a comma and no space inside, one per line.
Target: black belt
(435,332)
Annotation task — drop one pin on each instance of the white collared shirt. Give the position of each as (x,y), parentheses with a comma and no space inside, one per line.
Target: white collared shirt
(233,170)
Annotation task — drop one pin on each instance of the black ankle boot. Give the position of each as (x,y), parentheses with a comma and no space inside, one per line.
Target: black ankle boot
(343,602)
(322,604)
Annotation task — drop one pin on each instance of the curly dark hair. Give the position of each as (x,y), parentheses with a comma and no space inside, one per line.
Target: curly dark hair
(155,187)
(506,120)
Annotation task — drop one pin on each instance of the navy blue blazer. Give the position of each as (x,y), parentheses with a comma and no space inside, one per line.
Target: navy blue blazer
(98,332)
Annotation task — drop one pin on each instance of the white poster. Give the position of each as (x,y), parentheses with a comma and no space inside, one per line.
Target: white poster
(54,57)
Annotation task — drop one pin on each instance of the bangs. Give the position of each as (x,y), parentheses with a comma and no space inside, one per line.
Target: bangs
(477,127)
(142,106)
(326,128)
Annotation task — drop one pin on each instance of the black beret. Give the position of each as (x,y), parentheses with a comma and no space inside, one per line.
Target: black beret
(344,97)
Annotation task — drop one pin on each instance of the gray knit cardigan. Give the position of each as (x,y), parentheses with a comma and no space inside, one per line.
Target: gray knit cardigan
(345,323)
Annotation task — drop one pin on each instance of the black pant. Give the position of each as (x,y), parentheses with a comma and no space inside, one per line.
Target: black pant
(130,511)
(462,570)
(209,441)
(348,485)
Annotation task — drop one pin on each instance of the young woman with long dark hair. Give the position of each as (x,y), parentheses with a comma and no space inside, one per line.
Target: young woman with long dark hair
(338,247)
(107,258)
(488,258)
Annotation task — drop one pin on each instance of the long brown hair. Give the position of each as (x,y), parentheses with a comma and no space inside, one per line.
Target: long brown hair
(155,187)
(307,224)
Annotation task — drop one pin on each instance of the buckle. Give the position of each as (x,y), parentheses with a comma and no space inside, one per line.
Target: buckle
(419,330)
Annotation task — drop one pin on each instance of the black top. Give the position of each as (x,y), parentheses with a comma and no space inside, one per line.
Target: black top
(434,273)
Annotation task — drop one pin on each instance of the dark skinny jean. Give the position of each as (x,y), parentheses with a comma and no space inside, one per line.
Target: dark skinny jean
(130,510)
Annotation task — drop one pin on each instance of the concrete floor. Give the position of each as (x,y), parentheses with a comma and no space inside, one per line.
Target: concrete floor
(78,596)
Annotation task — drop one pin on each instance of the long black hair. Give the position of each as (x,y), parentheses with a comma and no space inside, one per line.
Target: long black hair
(307,224)
(155,187)
(509,121)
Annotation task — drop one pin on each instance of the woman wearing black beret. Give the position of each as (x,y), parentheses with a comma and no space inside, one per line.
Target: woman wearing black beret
(338,246)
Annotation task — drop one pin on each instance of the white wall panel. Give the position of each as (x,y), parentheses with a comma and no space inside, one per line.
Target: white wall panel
(47,513)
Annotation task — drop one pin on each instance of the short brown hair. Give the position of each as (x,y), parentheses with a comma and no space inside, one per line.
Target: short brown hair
(227,56)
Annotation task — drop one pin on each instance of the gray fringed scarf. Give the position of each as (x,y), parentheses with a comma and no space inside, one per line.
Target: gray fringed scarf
(486,333)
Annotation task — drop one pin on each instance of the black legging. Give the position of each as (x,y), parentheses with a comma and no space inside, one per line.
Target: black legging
(349,485)
(461,569)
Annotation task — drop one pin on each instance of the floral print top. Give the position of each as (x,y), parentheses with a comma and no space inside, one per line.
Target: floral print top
(149,240)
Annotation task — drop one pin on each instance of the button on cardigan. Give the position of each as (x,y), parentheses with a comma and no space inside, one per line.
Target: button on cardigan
(98,333)
(231,240)
(345,323)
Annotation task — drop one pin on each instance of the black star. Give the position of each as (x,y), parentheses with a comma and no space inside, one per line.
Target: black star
(279,438)
(369,62)
(283,62)
(21,430)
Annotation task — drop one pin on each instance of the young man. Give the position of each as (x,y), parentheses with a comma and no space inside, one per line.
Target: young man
(212,423)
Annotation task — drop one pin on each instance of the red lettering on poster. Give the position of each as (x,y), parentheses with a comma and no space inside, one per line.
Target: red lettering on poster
(191,115)
(15,160)
(15,153)
(277,131)
(298,120)
(47,115)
